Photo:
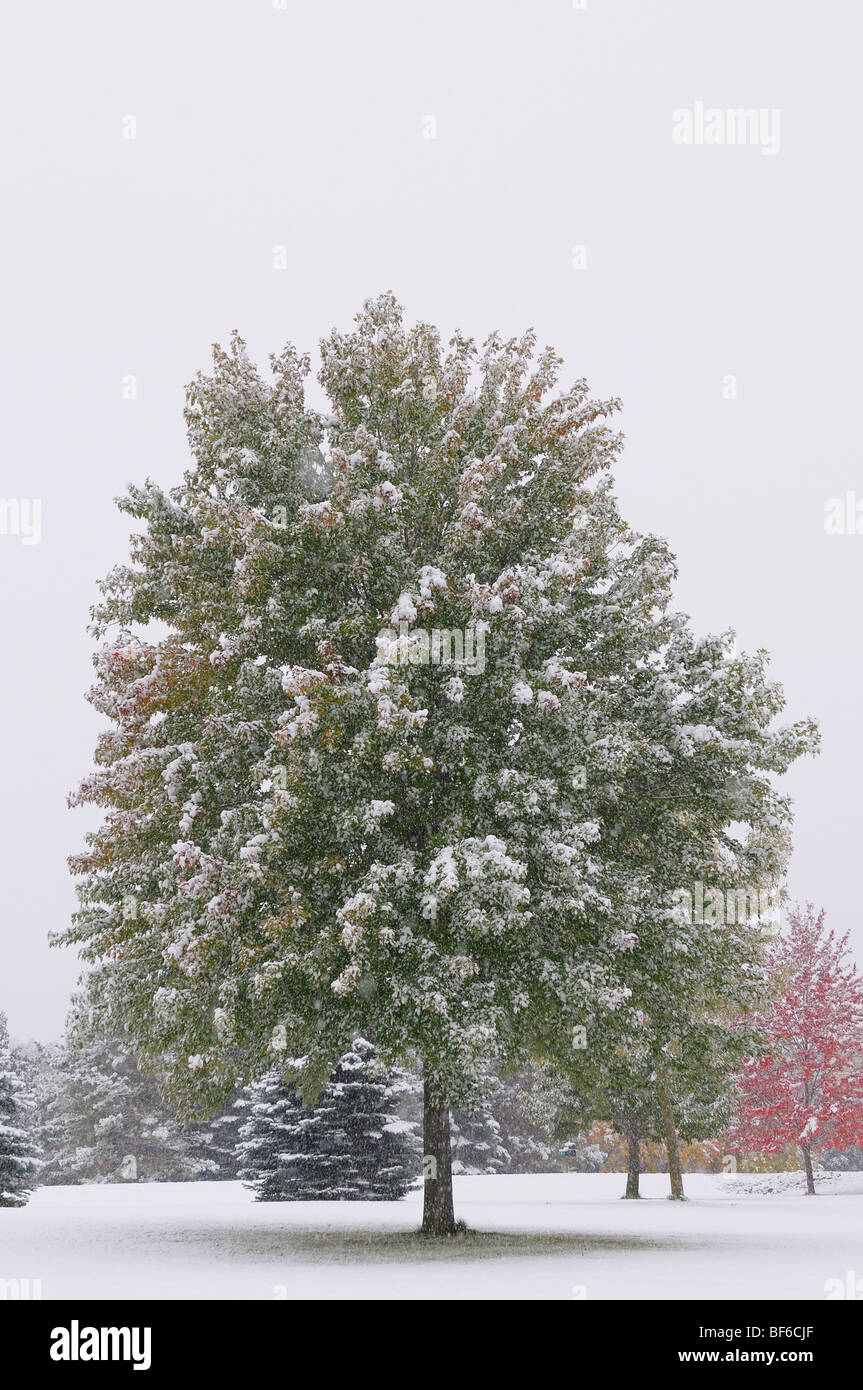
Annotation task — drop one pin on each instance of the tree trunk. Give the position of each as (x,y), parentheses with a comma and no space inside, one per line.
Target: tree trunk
(438,1214)
(633,1142)
(672,1147)
(807,1164)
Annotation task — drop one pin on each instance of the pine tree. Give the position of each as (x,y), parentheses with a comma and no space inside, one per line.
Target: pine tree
(272,1109)
(19,1151)
(495,1135)
(529,1145)
(478,1145)
(806,1088)
(214,1142)
(98,1112)
(395,766)
(847,1160)
(350,1145)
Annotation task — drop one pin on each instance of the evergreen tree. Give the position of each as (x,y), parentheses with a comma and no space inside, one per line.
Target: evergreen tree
(495,1135)
(848,1160)
(581,1155)
(19,1152)
(272,1109)
(350,1145)
(528,1142)
(103,1120)
(215,1141)
(478,1145)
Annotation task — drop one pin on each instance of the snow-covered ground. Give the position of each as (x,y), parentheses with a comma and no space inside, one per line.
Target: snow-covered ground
(565,1236)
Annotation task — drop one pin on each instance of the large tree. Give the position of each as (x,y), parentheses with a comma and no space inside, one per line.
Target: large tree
(374,775)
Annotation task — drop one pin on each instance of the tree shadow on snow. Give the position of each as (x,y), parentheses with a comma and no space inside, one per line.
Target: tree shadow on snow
(362,1246)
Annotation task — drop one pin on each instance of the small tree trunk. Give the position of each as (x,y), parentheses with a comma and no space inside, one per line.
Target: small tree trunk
(807,1164)
(633,1142)
(672,1147)
(438,1214)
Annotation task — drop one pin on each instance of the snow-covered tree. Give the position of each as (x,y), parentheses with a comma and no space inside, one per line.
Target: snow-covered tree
(848,1160)
(806,1088)
(495,1134)
(706,836)
(19,1151)
(215,1139)
(623,1090)
(271,1110)
(583,1155)
(386,773)
(478,1146)
(529,1146)
(352,1144)
(619,1090)
(102,1120)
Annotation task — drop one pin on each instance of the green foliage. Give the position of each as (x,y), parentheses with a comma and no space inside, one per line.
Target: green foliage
(314,831)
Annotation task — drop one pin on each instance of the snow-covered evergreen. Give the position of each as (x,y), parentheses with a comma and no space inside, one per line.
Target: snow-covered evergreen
(19,1150)
(847,1160)
(495,1135)
(101,1119)
(478,1146)
(351,1145)
(581,1155)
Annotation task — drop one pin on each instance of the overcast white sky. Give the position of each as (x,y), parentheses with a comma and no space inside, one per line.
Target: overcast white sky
(305,127)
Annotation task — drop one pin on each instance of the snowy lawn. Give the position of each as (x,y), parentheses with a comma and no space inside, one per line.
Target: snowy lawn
(551,1236)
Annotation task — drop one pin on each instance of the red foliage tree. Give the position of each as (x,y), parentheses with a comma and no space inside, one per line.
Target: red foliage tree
(808,1088)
